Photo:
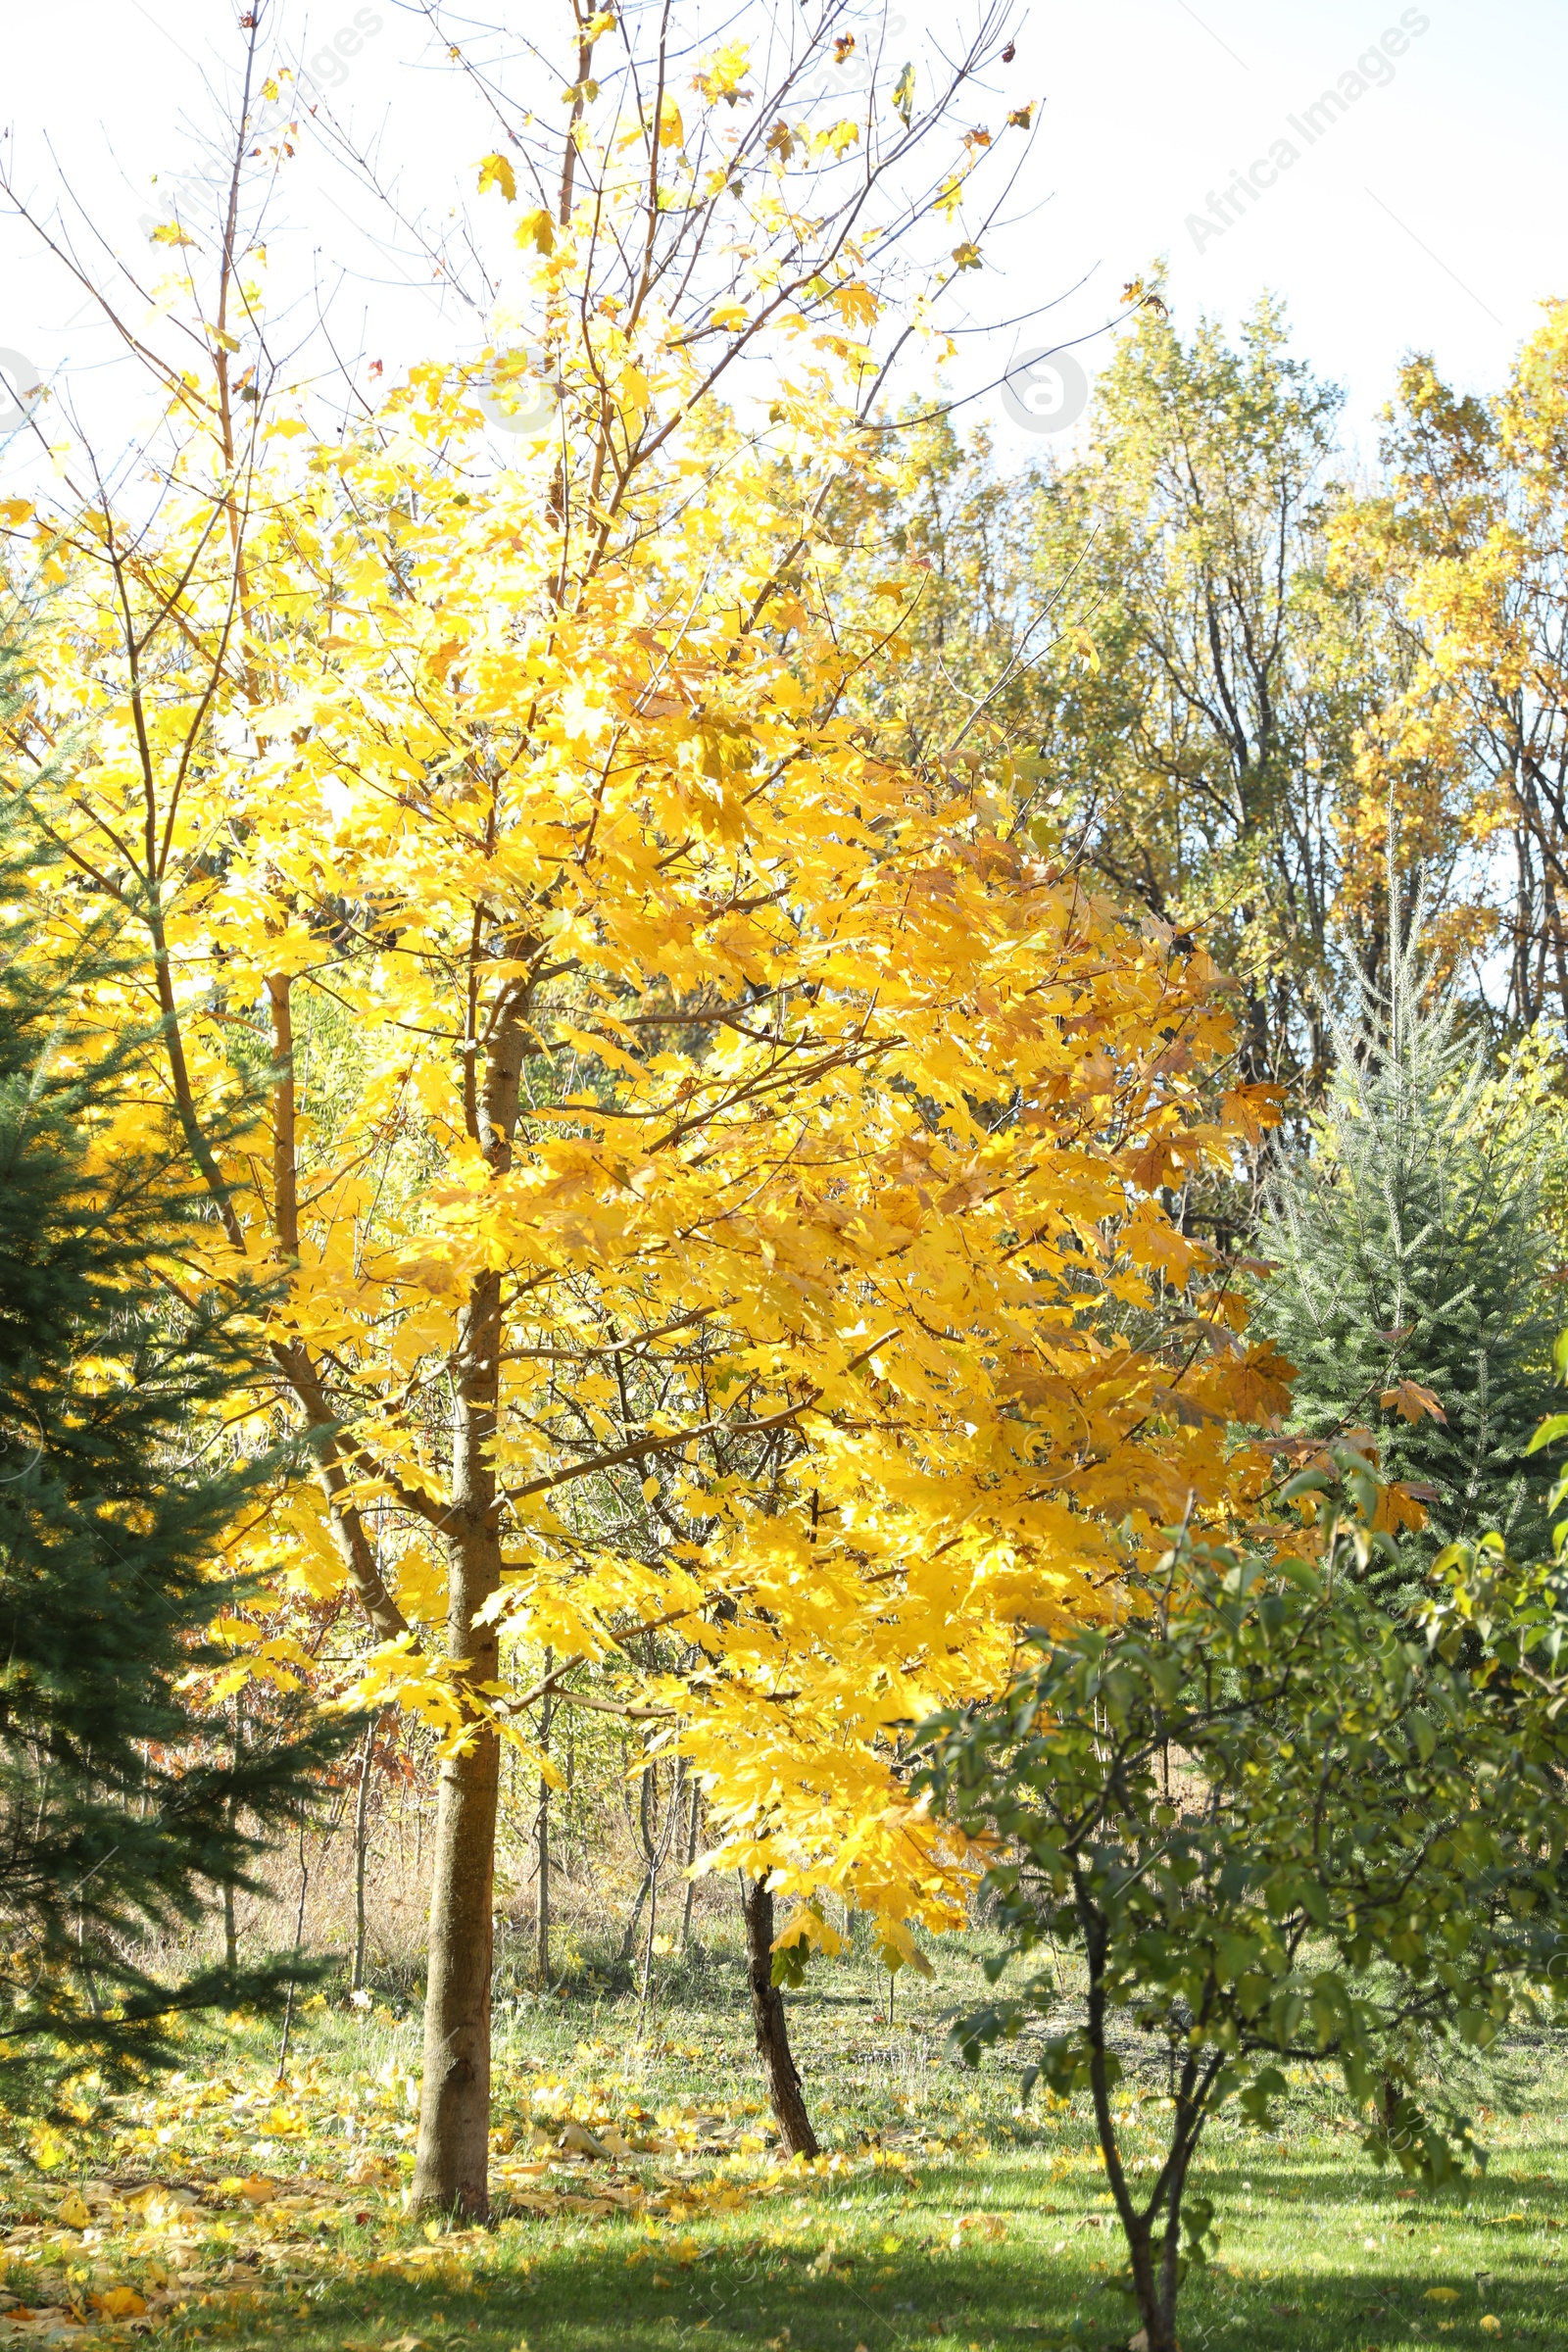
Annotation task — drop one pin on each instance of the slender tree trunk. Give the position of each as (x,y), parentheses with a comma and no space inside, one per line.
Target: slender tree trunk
(543,1915)
(648,1954)
(362,1819)
(298,1939)
(232,1815)
(628,1943)
(779,2071)
(645,1832)
(692,1831)
(230,1925)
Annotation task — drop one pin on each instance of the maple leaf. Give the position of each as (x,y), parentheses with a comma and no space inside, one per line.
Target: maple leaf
(496,172)
(720,76)
(1253,1110)
(1411,1400)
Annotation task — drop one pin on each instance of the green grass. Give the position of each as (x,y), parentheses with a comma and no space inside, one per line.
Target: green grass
(944,2217)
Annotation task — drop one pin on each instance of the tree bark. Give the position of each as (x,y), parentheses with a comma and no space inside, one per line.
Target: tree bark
(452,2157)
(541,1922)
(779,2070)
(692,1831)
(362,1816)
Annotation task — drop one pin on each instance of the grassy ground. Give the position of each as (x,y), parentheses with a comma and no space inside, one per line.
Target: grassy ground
(239,2211)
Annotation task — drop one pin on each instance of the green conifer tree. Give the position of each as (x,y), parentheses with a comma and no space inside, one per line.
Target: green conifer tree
(1409,1265)
(120,1823)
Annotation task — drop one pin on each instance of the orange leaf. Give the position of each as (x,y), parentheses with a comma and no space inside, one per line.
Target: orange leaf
(1409,1397)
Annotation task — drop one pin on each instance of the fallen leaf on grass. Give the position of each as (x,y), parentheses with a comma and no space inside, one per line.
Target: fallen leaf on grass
(1441,2294)
(120,2302)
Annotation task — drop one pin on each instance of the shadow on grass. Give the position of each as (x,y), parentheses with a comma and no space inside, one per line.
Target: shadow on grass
(614,2290)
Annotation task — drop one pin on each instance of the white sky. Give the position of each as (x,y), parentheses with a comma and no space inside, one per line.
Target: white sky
(1429,217)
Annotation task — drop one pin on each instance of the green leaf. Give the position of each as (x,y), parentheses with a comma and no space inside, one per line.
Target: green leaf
(904,95)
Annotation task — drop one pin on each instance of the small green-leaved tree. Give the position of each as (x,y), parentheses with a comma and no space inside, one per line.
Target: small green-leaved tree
(1276,1826)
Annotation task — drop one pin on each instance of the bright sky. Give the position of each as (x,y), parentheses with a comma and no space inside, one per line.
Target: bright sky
(1423,207)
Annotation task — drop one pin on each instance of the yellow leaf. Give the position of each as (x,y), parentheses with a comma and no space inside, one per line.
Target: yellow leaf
(1250,1109)
(121,2302)
(421,1586)
(720,76)
(1441,2294)
(537,230)
(72,2211)
(170,232)
(235,1631)
(670,131)
(496,172)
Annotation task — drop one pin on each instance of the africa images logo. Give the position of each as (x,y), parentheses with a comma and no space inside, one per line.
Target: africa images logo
(1373,70)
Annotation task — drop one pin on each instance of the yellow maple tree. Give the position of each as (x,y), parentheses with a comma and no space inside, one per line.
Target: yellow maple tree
(721,1184)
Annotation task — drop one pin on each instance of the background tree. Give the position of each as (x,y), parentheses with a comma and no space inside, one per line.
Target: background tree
(1409,1257)
(118,1490)
(1150,628)
(1463,548)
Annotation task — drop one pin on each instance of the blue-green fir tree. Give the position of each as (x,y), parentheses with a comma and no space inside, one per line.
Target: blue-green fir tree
(1410,1266)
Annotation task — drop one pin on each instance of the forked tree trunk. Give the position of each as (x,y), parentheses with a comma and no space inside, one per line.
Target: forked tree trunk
(779,2070)
(451,2155)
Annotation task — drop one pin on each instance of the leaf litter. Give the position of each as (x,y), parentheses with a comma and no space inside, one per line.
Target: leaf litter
(230,2194)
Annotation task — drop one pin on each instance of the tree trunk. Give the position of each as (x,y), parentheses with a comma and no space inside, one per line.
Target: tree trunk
(232,1815)
(779,2070)
(362,1818)
(452,2157)
(541,1922)
(230,1925)
(298,1939)
(629,1941)
(692,1830)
